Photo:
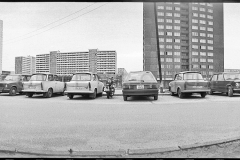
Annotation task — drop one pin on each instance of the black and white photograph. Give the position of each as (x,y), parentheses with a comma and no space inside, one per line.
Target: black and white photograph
(157,79)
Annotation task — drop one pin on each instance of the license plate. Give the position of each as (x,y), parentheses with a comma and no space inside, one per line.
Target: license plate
(140,86)
(80,88)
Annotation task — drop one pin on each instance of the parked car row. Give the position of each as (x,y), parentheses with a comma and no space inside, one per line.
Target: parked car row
(141,83)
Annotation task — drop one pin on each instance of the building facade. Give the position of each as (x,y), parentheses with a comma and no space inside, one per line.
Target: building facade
(232,70)
(183,37)
(1,42)
(63,63)
(25,65)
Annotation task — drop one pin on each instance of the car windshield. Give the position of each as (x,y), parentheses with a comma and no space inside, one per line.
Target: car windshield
(192,76)
(232,76)
(38,77)
(141,76)
(81,77)
(12,78)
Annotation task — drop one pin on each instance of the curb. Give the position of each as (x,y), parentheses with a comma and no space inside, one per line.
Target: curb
(151,151)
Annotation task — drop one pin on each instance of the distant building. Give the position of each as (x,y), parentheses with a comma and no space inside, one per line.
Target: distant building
(63,63)
(232,70)
(25,65)
(123,73)
(184,37)
(1,41)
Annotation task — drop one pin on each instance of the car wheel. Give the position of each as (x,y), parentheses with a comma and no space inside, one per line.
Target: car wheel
(156,97)
(230,92)
(29,94)
(70,96)
(13,91)
(125,98)
(93,96)
(49,93)
(203,94)
(210,92)
(171,93)
(180,94)
(108,95)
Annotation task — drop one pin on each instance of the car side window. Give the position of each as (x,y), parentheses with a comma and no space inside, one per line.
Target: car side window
(220,77)
(176,76)
(55,78)
(94,77)
(180,76)
(214,78)
(50,77)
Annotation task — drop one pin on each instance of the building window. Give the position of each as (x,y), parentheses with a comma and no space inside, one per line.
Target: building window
(203,66)
(161,39)
(210,23)
(169,14)
(194,66)
(168,40)
(202,47)
(210,54)
(210,10)
(169,73)
(168,66)
(176,14)
(176,21)
(194,59)
(168,53)
(203,34)
(169,46)
(210,41)
(194,46)
(202,53)
(202,28)
(202,40)
(168,27)
(195,14)
(160,13)
(176,34)
(202,9)
(176,47)
(210,35)
(177,8)
(169,20)
(202,22)
(194,21)
(168,8)
(209,17)
(177,40)
(202,60)
(161,53)
(160,20)
(177,53)
(202,3)
(162,66)
(210,47)
(161,33)
(195,33)
(177,27)
(162,59)
(210,66)
(202,15)
(210,60)
(194,40)
(168,59)
(194,27)
(176,59)
(161,46)
(177,66)
(160,26)
(210,29)
(195,8)
(194,53)
(160,7)
(209,4)
(169,33)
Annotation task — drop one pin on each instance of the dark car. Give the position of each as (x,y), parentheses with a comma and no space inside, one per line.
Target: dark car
(140,83)
(12,84)
(225,82)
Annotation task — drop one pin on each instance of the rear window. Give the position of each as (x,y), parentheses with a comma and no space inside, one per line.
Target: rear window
(192,76)
(141,76)
(38,77)
(12,78)
(81,77)
(232,76)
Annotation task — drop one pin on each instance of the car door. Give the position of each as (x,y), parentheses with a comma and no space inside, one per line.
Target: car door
(51,83)
(173,84)
(220,83)
(212,82)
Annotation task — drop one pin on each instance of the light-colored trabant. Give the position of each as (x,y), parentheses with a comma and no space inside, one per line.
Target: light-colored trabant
(13,83)
(43,83)
(188,82)
(85,84)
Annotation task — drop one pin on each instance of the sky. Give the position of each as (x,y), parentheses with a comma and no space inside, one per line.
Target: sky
(31,28)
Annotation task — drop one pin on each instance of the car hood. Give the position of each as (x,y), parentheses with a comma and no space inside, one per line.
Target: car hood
(237,81)
(8,82)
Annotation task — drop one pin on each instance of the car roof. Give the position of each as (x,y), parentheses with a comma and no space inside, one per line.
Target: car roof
(140,72)
(84,72)
(43,73)
(19,75)
(227,73)
(188,72)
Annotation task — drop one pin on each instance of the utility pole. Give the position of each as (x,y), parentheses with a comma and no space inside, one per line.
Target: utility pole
(158,50)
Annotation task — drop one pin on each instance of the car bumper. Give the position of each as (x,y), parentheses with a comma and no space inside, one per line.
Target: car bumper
(4,90)
(78,92)
(196,91)
(136,92)
(33,91)
(236,90)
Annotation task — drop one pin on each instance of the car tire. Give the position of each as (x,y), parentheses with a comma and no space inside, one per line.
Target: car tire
(230,92)
(203,94)
(171,93)
(29,94)
(156,97)
(70,96)
(180,94)
(49,93)
(125,98)
(108,95)
(93,96)
(13,91)
(210,92)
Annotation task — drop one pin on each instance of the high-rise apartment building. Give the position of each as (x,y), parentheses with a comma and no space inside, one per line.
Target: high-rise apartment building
(1,42)
(25,65)
(71,62)
(183,37)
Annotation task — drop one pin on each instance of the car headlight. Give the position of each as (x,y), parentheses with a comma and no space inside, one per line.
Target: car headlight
(6,86)
(237,85)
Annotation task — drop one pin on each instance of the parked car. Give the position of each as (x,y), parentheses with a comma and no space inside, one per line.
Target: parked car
(188,82)
(225,82)
(13,83)
(43,83)
(86,84)
(140,83)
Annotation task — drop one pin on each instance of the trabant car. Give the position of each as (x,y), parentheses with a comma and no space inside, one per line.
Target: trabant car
(43,83)
(140,83)
(225,82)
(84,83)
(188,82)
(13,84)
